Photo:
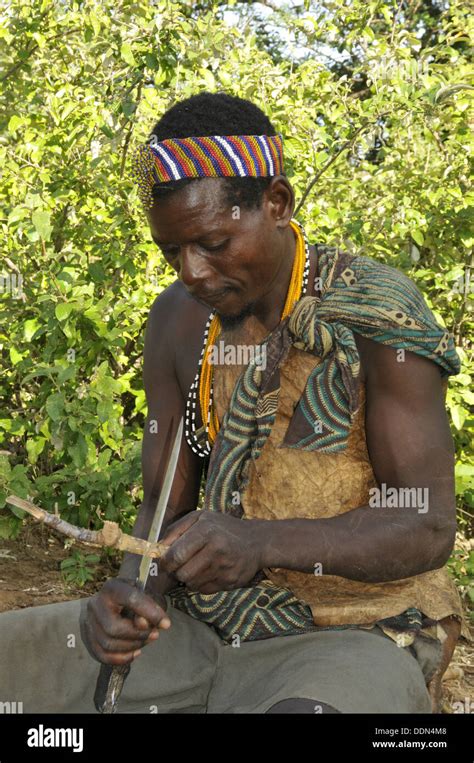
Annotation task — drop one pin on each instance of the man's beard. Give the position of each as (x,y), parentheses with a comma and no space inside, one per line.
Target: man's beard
(229,322)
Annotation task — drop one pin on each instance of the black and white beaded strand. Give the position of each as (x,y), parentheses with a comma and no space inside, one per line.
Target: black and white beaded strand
(192,400)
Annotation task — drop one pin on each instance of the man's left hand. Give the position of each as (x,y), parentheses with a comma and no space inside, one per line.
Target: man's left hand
(212,552)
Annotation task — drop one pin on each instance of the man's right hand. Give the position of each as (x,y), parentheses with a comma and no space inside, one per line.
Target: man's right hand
(112,638)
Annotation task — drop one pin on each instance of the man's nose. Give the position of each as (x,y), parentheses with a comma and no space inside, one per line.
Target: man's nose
(193,269)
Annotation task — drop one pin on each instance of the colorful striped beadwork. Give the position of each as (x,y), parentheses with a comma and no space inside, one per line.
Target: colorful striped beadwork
(207,156)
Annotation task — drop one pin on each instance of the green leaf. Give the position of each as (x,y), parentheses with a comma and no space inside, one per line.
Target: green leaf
(17,213)
(96,272)
(55,406)
(15,122)
(140,402)
(65,374)
(418,237)
(10,527)
(127,55)
(464,379)
(63,310)
(68,563)
(128,107)
(78,451)
(208,78)
(15,356)
(465,470)
(105,410)
(458,416)
(5,468)
(20,513)
(35,448)
(104,458)
(30,328)
(42,222)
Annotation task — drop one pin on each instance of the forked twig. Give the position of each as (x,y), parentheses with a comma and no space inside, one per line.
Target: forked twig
(110,535)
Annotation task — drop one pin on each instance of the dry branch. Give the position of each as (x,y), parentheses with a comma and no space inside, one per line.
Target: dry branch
(111,535)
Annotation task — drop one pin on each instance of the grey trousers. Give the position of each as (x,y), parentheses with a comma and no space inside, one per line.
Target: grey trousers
(45,668)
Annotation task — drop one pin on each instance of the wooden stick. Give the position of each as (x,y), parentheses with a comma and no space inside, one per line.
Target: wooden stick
(111,535)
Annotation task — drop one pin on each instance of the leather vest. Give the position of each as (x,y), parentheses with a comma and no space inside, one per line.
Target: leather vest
(288,483)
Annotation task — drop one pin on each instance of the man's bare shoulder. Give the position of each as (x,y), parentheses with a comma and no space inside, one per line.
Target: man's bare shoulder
(173,297)
(382,364)
(174,308)
(175,327)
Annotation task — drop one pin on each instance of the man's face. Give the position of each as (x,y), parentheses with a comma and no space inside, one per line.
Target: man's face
(226,262)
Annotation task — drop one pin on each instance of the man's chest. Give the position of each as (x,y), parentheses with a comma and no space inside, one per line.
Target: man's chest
(234,349)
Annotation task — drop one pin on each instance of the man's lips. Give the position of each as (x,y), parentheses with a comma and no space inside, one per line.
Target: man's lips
(213,296)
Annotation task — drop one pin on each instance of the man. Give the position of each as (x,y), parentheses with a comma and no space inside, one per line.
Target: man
(320,601)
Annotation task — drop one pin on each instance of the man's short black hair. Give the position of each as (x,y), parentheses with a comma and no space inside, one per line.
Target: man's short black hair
(216,114)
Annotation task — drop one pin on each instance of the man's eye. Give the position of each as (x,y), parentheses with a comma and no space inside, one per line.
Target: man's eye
(171,254)
(216,247)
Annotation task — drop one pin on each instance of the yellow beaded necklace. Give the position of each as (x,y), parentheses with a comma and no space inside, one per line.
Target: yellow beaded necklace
(295,289)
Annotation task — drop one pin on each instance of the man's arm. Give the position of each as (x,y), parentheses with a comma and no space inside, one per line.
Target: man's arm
(165,408)
(410,445)
(110,637)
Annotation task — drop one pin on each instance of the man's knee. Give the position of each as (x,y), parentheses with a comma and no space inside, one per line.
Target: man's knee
(301,705)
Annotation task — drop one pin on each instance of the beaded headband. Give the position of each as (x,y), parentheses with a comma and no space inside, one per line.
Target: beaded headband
(210,156)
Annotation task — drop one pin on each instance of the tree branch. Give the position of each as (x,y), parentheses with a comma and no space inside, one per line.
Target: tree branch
(461,317)
(330,161)
(110,536)
(128,135)
(33,48)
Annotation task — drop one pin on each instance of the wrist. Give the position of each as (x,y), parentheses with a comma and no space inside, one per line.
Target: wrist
(130,566)
(262,534)
(161,583)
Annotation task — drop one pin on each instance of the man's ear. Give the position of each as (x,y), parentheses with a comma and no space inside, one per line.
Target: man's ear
(280,200)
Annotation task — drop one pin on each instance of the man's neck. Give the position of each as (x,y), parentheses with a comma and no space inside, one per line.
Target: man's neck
(254,329)
(269,310)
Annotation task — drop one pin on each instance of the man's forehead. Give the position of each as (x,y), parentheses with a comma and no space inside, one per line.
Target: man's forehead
(201,201)
(159,239)
(187,226)
(198,193)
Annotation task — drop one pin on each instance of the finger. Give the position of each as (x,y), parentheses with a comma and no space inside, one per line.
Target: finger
(211,586)
(141,623)
(198,571)
(116,658)
(128,596)
(154,635)
(116,626)
(182,551)
(110,645)
(178,528)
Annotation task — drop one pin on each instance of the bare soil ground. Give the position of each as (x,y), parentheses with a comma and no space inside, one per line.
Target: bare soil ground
(30,573)
(30,576)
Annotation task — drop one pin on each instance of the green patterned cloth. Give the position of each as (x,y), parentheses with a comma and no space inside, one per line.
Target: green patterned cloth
(357,295)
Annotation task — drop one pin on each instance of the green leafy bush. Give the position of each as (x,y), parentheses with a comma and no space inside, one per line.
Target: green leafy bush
(374,104)
(79,569)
